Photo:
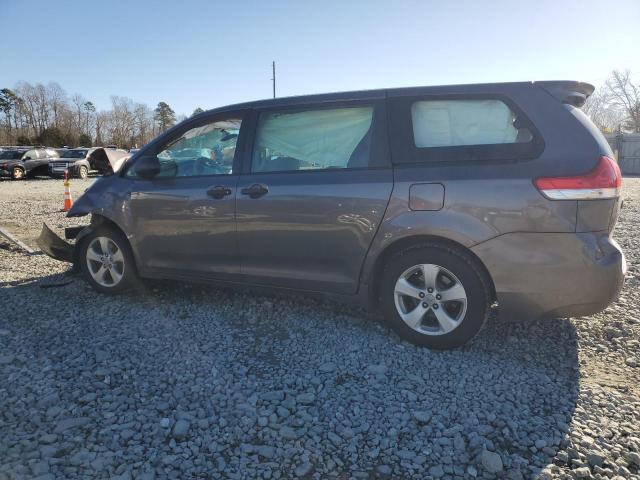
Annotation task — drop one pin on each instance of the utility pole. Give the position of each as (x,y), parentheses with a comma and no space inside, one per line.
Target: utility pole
(273,66)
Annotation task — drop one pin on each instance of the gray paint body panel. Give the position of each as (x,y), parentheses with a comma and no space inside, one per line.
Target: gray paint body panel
(426,196)
(543,275)
(313,229)
(179,227)
(595,215)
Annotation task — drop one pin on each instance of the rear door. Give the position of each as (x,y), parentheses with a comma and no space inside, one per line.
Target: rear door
(185,216)
(32,159)
(315,187)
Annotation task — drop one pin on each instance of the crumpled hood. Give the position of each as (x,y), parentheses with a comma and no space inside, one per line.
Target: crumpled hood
(107,160)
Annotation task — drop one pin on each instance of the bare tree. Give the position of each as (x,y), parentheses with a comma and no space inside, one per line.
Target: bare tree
(41,107)
(102,125)
(143,117)
(606,116)
(122,129)
(56,100)
(28,110)
(78,102)
(624,94)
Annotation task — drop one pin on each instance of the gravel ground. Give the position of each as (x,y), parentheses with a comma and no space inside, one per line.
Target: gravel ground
(185,381)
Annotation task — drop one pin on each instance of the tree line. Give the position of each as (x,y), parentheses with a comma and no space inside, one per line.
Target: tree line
(47,115)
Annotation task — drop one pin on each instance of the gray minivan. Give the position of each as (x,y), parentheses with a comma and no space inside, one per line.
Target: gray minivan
(428,204)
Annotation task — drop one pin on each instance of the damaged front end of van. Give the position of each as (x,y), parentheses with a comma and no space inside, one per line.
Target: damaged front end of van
(100,200)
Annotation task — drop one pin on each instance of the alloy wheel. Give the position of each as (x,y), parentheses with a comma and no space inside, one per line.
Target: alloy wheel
(105,261)
(430,299)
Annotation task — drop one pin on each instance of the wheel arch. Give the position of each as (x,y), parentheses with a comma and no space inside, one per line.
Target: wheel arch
(97,221)
(373,280)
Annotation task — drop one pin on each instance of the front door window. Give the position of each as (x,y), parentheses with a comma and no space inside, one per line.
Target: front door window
(200,151)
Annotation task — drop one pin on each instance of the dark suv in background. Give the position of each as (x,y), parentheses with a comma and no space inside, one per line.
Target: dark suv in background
(427,204)
(74,161)
(21,163)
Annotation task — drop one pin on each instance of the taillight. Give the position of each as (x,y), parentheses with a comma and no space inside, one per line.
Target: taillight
(604,181)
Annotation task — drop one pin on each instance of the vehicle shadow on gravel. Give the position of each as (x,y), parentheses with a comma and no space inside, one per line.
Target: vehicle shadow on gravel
(330,389)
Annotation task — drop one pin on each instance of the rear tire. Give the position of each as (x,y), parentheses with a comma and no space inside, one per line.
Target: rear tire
(83,173)
(17,173)
(107,262)
(434,295)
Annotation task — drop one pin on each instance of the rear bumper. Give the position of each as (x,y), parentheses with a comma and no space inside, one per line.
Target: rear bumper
(549,275)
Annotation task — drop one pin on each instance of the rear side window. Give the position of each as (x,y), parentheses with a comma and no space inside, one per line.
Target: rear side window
(11,155)
(313,140)
(461,128)
(450,123)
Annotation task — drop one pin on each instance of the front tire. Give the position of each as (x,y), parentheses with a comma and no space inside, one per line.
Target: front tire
(83,173)
(435,296)
(107,262)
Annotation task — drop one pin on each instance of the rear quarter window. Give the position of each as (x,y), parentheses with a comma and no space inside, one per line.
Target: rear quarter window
(449,123)
(461,129)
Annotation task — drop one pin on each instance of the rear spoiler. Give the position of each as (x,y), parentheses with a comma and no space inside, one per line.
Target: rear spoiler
(573,93)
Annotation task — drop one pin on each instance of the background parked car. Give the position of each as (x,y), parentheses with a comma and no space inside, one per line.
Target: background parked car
(81,161)
(21,163)
(75,161)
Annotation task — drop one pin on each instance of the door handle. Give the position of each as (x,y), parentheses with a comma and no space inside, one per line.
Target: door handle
(254,191)
(219,192)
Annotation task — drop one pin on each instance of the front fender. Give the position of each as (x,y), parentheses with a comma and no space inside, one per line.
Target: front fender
(104,197)
(86,204)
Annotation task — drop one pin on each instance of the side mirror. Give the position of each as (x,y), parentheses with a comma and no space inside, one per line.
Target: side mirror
(147,167)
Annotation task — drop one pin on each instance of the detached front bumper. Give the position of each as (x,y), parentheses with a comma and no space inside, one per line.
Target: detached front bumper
(56,247)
